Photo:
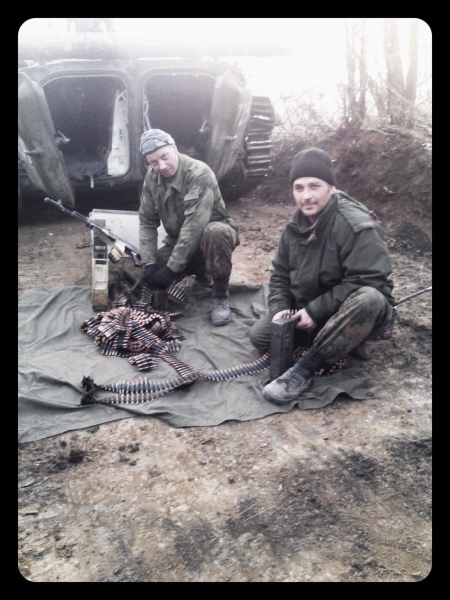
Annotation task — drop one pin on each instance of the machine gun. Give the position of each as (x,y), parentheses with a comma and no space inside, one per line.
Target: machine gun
(119,248)
(282,338)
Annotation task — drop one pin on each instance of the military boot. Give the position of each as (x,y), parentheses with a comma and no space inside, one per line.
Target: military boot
(221,313)
(361,351)
(295,380)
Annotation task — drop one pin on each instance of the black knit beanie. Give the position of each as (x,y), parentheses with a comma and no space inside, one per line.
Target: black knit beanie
(312,162)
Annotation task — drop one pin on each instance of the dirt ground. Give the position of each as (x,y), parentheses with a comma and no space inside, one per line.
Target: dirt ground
(340,494)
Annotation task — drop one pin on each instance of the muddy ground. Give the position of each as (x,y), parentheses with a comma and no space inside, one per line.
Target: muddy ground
(340,494)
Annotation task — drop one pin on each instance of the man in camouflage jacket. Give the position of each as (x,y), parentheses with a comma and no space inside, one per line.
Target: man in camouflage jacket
(182,193)
(332,270)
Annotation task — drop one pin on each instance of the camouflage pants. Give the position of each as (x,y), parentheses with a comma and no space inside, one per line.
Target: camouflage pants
(359,318)
(213,256)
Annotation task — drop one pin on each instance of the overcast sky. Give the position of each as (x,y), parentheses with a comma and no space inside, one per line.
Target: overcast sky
(317,44)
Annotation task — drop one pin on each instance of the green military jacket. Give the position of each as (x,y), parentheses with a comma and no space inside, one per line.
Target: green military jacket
(317,267)
(184,204)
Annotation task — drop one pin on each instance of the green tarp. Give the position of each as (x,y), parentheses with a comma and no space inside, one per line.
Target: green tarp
(54,356)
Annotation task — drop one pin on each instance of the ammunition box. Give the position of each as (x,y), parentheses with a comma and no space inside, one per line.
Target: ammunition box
(99,271)
(281,346)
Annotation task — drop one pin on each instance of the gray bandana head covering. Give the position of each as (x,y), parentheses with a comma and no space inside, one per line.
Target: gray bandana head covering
(153,139)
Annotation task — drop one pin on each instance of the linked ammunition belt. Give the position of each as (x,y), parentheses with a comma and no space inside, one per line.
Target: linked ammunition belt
(133,330)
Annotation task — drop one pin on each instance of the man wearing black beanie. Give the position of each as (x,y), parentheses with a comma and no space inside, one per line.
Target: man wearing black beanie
(331,270)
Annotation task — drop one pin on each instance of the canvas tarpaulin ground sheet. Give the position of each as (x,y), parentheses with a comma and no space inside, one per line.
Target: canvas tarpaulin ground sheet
(55,355)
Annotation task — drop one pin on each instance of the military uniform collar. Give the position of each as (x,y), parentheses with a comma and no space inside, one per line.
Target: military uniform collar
(302,223)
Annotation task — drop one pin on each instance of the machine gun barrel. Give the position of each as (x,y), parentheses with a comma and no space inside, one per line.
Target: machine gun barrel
(428,289)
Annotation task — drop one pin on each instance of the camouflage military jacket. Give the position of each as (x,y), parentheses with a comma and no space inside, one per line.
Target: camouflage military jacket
(184,204)
(317,267)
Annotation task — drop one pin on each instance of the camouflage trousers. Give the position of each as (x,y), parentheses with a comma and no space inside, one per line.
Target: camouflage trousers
(213,256)
(359,318)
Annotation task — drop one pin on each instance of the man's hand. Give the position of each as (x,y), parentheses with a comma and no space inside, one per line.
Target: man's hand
(280,314)
(163,278)
(147,273)
(304,321)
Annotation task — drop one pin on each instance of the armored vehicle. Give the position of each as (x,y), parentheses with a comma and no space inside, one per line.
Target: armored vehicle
(85,99)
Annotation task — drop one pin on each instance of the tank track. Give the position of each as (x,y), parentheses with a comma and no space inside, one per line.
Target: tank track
(258,143)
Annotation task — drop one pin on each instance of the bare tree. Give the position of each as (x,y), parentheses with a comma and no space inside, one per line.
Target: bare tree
(411,77)
(395,98)
(378,90)
(356,58)
(363,76)
(350,99)
(396,93)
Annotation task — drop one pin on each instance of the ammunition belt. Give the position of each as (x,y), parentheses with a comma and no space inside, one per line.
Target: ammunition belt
(133,330)
(143,390)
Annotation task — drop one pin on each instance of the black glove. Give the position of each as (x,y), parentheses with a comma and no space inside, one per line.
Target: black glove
(148,272)
(163,278)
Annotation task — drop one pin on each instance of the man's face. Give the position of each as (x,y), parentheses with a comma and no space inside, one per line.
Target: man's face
(164,160)
(311,196)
